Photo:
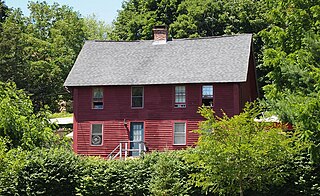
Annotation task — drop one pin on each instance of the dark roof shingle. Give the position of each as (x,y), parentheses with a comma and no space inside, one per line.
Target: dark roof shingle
(202,60)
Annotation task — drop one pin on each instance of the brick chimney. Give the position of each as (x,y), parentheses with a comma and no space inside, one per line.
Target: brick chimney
(160,34)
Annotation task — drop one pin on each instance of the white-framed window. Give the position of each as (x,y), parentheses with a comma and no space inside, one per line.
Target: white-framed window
(137,96)
(207,95)
(96,134)
(180,97)
(97,98)
(179,133)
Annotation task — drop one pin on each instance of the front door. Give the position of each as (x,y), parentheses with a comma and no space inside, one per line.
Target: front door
(136,137)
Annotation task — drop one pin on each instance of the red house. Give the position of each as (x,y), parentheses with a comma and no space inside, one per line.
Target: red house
(145,94)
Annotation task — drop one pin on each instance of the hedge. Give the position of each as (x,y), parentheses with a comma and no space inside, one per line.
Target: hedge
(59,171)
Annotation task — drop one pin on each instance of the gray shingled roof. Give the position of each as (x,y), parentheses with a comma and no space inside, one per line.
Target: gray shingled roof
(202,60)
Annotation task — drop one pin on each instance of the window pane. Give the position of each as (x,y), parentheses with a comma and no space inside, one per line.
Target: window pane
(96,129)
(98,93)
(207,91)
(179,133)
(179,140)
(136,101)
(137,91)
(98,105)
(180,99)
(180,94)
(179,127)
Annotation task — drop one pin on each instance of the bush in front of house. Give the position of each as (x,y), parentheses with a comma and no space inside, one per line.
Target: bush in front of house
(59,171)
(157,173)
(39,172)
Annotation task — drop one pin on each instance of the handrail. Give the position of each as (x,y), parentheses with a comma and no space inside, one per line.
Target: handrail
(110,155)
(124,149)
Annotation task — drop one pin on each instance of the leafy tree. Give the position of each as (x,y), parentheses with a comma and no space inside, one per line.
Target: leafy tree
(3,11)
(12,57)
(212,17)
(189,18)
(40,50)
(238,154)
(18,124)
(291,61)
(137,18)
(95,29)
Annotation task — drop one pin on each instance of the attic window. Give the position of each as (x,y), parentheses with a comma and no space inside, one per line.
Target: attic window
(97,98)
(207,95)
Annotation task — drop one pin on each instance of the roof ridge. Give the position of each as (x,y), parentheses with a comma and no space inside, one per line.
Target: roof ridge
(212,37)
(172,39)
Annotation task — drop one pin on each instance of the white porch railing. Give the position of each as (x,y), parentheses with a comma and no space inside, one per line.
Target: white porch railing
(123,150)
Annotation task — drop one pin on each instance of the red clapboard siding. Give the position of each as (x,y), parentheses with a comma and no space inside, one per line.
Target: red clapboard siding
(249,88)
(158,136)
(224,99)
(158,115)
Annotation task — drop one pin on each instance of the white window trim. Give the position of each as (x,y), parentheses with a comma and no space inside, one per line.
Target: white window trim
(185,133)
(142,98)
(91,126)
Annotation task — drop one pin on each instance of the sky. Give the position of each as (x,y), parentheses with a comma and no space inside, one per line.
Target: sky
(105,10)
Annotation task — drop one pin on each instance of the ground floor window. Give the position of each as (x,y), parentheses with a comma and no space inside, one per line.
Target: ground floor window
(179,133)
(96,134)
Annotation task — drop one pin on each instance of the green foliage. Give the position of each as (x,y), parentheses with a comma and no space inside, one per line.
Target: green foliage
(38,51)
(171,175)
(18,123)
(137,18)
(58,171)
(40,171)
(101,177)
(238,154)
(291,60)
(11,163)
(95,29)
(189,18)
(61,115)
(49,172)
(3,12)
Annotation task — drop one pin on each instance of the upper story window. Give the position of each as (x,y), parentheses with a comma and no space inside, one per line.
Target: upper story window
(137,97)
(207,95)
(179,133)
(180,97)
(96,134)
(97,98)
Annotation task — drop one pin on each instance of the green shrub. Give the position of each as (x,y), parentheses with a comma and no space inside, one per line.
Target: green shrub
(11,163)
(49,172)
(60,172)
(101,177)
(170,175)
